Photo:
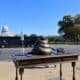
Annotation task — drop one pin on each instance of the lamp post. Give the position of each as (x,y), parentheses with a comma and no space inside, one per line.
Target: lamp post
(22,41)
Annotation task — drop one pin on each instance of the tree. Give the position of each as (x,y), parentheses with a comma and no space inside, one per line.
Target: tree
(76,29)
(77,19)
(53,38)
(32,39)
(65,26)
(69,27)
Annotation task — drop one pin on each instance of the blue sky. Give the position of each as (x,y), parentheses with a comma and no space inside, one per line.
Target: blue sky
(36,16)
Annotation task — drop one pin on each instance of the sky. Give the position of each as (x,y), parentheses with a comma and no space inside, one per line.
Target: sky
(36,16)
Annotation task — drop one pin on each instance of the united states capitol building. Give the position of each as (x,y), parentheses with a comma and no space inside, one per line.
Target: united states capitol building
(5,32)
(7,39)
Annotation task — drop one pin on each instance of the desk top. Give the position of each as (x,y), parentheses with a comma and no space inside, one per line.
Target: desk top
(23,61)
(29,57)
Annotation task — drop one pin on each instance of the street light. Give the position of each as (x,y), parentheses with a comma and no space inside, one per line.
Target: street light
(22,41)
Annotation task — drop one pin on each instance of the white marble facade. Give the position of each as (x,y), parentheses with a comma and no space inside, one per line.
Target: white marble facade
(5,31)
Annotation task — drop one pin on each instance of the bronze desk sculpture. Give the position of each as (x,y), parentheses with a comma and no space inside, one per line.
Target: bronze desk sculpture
(22,62)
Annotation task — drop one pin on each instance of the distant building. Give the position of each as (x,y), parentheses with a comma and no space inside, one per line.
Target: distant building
(5,32)
(10,40)
(7,39)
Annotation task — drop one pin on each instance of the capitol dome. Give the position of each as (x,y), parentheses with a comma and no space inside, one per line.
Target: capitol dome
(5,32)
(5,29)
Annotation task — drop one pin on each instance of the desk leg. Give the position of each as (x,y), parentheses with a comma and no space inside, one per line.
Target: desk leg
(73,66)
(16,78)
(21,71)
(60,71)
